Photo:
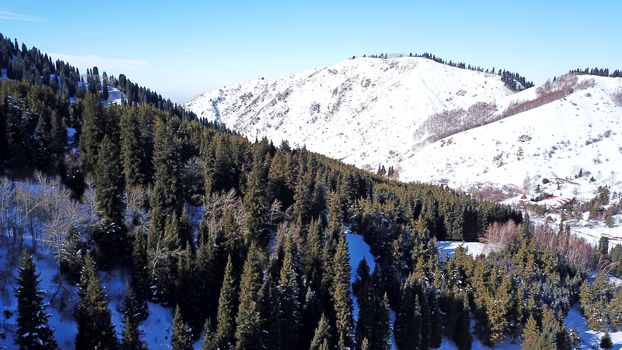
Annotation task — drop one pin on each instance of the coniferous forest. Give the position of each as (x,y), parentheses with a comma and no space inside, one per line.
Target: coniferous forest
(246,240)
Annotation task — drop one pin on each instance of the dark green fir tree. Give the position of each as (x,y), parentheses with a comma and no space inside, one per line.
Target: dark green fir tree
(182,333)
(95,329)
(341,295)
(33,331)
(248,320)
(109,182)
(255,203)
(225,328)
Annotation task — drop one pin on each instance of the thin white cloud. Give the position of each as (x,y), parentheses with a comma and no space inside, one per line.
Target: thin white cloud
(8,15)
(103,63)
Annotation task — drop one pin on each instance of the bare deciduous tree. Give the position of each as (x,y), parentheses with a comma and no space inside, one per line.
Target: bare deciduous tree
(7,194)
(576,249)
(136,200)
(501,235)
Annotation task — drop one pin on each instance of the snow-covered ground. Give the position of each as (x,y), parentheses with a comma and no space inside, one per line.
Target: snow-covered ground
(115,97)
(477,345)
(359,250)
(447,249)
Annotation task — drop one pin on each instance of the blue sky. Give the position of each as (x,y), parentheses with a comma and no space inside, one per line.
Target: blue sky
(183,48)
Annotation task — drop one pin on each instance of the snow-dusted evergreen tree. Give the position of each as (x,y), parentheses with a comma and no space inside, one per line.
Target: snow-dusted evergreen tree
(131,149)
(109,181)
(268,303)
(289,311)
(95,329)
(373,323)
(33,331)
(182,333)
(225,327)
(321,338)
(131,335)
(341,295)
(91,132)
(254,202)
(71,255)
(248,319)
(140,272)
(165,197)
(209,337)
(605,341)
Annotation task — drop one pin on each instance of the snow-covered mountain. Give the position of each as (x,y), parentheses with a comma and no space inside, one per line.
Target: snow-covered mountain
(366,111)
(433,122)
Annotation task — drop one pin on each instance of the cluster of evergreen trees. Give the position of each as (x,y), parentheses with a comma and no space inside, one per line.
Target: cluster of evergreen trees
(603,72)
(601,304)
(32,128)
(34,67)
(614,256)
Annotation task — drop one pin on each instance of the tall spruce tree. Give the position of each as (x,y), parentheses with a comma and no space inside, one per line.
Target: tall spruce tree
(268,303)
(461,334)
(373,323)
(255,203)
(209,337)
(225,327)
(186,293)
(341,295)
(248,320)
(132,149)
(131,335)
(530,334)
(311,313)
(91,132)
(408,319)
(321,338)
(95,329)
(165,259)
(166,162)
(109,182)
(182,333)
(207,276)
(33,331)
(140,275)
(303,197)
(289,297)
(42,138)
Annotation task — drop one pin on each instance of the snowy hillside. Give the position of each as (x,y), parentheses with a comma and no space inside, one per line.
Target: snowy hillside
(578,132)
(365,111)
(434,123)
